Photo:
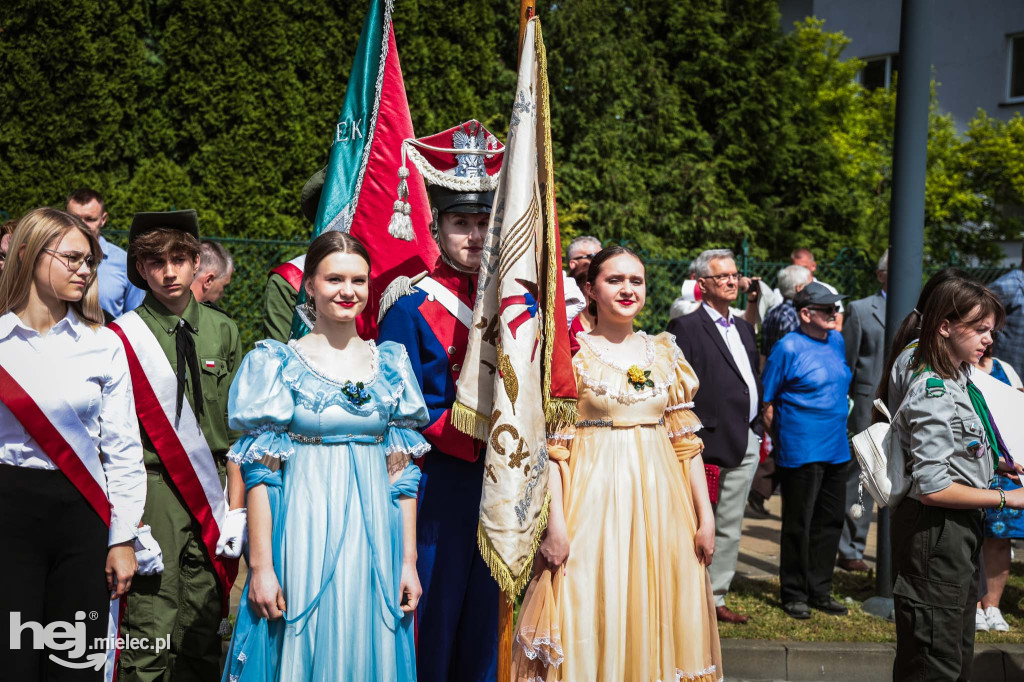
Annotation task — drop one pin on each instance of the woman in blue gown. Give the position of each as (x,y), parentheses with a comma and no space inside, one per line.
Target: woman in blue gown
(329,432)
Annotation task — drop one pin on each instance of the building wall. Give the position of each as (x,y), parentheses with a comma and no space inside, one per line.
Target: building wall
(969,50)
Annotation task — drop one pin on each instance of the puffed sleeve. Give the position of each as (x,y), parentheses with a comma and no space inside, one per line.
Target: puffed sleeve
(403,441)
(680,421)
(260,405)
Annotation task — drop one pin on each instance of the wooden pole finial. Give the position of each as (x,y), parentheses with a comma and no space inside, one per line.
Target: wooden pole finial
(527,8)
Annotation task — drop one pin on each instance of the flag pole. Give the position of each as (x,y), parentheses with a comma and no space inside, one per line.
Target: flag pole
(527,8)
(506,607)
(506,625)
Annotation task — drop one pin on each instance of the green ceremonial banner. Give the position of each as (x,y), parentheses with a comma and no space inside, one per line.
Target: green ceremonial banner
(350,144)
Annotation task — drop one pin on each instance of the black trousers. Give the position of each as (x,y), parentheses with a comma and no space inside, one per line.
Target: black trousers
(764,479)
(935,561)
(54,551)
(813,507)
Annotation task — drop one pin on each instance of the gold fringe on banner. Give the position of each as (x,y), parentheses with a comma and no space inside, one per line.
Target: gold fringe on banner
(559,413)
(512,585)
(470,422)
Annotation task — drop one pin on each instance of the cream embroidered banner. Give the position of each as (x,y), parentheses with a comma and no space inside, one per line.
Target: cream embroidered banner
(501,398)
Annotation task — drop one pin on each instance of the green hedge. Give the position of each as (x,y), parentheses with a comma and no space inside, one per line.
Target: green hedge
(677,125)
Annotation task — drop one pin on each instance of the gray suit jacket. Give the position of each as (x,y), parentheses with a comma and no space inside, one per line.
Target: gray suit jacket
(864,334)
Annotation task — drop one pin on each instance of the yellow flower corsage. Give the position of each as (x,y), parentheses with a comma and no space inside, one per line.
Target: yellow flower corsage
(639,378)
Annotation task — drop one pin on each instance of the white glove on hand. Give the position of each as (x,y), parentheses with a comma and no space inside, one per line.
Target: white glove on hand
(232,534)
(148,552)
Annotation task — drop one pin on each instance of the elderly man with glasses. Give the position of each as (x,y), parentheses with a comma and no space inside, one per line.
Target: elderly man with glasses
(719,344)
(806,382)
(579,254)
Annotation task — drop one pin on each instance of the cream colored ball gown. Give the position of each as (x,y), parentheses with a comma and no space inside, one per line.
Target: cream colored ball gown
(632,603)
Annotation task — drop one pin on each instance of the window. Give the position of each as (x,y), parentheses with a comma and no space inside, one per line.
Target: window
(1015,70)
(878,71)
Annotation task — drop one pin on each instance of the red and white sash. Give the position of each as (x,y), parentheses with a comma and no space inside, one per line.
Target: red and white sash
(182,448)
(56,428)
(292,271)
(459,310)
(53,424)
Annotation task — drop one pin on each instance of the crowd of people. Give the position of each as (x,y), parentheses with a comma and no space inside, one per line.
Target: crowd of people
(144,450)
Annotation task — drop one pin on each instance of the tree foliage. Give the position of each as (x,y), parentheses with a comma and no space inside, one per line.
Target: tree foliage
(677,126)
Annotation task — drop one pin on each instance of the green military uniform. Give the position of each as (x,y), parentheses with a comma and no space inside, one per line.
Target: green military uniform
(935,549)
(279,305)
(185,600)
(281,297)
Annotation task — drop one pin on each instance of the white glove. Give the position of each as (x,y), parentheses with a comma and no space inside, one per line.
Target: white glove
(232,534)
(148,553)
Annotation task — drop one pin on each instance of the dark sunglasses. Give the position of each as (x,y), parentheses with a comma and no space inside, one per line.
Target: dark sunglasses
(824,309)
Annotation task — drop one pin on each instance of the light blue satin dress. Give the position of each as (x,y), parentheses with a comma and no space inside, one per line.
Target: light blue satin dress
(337,525)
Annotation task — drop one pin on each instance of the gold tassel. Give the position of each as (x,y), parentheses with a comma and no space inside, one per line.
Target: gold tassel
(559,413)
(470,422)
(509,584)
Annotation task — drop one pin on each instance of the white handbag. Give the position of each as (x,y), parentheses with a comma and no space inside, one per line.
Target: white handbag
(883,464)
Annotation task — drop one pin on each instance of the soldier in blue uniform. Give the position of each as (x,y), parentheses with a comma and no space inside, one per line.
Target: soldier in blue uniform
(457,618)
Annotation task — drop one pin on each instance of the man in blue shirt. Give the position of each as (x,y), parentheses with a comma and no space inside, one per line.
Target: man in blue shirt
(117,294)
(806,382)
(780,320)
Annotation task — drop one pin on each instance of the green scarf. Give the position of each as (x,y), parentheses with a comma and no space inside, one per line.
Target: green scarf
(981,408)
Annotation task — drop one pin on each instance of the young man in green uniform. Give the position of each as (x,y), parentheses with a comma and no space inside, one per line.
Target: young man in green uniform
(184,358)
(282,292)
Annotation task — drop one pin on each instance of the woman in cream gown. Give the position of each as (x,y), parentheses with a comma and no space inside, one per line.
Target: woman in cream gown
(633,601)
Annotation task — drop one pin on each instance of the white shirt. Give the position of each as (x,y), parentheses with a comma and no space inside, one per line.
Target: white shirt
(734,343)
(88,367)
(574,300)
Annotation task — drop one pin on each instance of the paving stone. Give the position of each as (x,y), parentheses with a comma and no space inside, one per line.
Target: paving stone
(839,661)
(1013,661)
(988,664)
(753,659)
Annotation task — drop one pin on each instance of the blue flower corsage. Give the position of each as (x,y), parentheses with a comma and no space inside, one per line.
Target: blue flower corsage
(356,393)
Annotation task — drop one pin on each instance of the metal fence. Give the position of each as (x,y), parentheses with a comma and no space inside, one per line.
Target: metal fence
(852,273)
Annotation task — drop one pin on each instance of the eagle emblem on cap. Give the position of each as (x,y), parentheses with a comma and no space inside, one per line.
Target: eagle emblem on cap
(470,136)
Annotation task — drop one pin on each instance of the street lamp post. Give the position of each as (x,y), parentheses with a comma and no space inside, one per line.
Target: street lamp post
(906,219)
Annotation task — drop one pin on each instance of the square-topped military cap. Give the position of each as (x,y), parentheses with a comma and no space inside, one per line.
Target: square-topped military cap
(184,221)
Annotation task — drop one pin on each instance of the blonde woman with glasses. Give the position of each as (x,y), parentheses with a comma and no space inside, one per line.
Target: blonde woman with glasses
(72,484)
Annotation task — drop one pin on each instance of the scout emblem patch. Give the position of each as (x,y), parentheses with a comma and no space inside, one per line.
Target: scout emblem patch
(934,388)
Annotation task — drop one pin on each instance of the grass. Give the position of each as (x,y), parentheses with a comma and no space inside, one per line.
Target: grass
(759,599)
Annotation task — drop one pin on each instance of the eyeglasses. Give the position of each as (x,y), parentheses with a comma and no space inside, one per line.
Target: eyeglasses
(724,277)
(824,309)
(584,256)
(73,261)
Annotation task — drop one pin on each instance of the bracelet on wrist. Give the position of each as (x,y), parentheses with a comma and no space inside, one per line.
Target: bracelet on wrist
(1002,501)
